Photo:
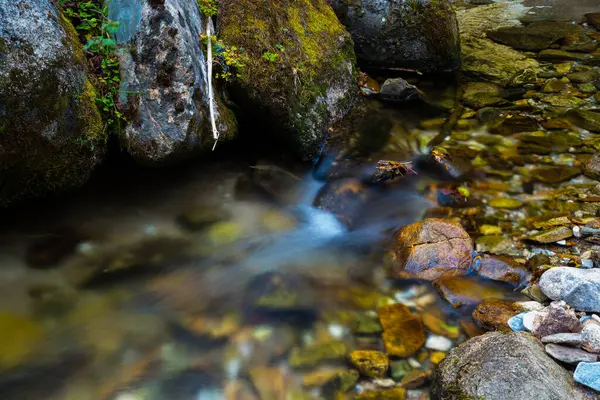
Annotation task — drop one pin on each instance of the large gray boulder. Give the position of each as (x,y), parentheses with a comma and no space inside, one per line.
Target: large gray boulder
(165,82)
(503,366)
(51,135)
(579,288)
(414,34)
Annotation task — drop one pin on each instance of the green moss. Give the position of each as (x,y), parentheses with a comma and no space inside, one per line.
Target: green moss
(58,147)
(314,53)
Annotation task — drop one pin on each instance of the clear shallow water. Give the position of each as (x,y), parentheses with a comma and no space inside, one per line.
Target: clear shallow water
(202,313)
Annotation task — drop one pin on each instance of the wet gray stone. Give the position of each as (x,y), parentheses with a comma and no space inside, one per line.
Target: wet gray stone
(573,339)
(413,34)
(397,89)
(500,366)
(569,355)
(51,133)
(164,81)
(579,288)
(591,336)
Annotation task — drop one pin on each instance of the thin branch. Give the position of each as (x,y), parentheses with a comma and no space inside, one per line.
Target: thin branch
(211,106)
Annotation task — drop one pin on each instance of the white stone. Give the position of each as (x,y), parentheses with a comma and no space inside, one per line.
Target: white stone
(439,343)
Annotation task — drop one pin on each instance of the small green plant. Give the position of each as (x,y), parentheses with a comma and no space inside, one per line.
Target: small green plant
(230,59)
(270,57)
(90,19)
(208,7)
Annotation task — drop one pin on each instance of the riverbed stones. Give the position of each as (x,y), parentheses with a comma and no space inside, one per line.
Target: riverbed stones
(20,338)
(497,366)
(482,94)
(52,136)
(307,80)
(556,318)
(430,248)
(577,287)
(370,363)
(403,333)
(317,354)
(421,35)
(554,174)
(585,119)
(570,355)
(483,58)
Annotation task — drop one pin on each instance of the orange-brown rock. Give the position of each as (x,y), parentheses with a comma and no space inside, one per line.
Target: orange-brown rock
(466,292)
(431,248)
(493,314)
(403,332)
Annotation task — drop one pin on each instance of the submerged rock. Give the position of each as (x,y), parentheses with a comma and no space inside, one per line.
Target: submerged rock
(299,76)
(482,94)
(317,354)
(20,338)
(421,35)
(403,333)
(534,37)
(344,198)
(577,287)
(48,251)
(498,366)
(51,134)
(397,89)
(431,248)
(503,269)
(585,119)
(465,292)
(483,58)
(373,364)
(591,168)
(164,81)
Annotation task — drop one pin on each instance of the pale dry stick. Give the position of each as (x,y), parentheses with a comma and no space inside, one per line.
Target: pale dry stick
(211,107)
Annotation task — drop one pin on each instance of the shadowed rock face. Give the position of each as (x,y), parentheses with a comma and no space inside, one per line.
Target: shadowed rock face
(431,248)
(165,82)
(498,366)
(421,35)
(51,136)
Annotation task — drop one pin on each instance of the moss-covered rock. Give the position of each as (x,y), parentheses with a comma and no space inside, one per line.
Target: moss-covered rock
(415,34)
(299,77)
(164,81)
(371,363)
(51,134)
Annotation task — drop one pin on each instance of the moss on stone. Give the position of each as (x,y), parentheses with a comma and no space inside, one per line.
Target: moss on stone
(52,129)
(315,57)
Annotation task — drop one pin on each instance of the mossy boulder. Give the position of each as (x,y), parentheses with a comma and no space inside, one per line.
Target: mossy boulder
(164,81)
(299,76)
(415,34)
(51,134)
